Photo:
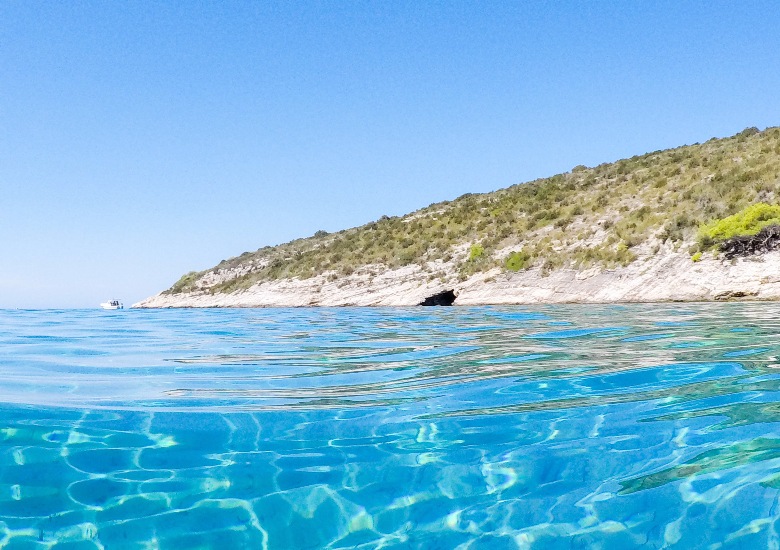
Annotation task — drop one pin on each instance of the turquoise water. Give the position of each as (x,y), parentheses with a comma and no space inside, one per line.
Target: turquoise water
(551,427)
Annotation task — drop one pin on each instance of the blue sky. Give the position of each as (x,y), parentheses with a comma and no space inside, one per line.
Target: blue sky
(139,141)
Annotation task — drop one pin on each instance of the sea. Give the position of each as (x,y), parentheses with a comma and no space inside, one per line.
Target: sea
(550,427)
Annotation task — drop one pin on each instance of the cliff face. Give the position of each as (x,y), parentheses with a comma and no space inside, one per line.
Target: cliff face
(669,276)
(620,232)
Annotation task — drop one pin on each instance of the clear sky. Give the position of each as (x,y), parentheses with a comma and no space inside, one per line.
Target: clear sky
(142,140)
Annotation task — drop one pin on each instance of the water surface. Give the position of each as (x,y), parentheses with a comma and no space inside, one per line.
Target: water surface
(490,427)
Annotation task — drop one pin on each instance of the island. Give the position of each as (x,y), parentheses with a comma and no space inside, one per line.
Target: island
(695,223)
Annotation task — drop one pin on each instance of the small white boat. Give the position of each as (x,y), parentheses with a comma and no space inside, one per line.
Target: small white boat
(112,304)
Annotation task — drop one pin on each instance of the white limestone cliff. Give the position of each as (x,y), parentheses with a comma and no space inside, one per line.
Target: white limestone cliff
(667,276)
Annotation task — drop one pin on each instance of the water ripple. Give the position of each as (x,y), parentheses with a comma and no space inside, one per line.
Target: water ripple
(485,427)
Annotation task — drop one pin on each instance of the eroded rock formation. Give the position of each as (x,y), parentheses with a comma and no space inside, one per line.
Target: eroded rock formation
(747,245)
(446,298)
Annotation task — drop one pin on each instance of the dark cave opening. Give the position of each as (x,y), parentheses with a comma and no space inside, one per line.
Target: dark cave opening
(446,298)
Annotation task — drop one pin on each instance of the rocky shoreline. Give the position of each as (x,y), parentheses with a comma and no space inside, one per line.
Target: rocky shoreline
(671,276)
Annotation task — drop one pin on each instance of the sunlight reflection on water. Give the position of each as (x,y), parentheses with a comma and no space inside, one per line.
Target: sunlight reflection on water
(556,426)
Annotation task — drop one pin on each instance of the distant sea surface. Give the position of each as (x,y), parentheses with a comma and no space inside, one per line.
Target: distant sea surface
(477,428)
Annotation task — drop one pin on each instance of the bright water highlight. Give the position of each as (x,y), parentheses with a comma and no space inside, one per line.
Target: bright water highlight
(549,427)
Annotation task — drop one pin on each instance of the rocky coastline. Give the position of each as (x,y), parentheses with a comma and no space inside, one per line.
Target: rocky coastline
(663,278)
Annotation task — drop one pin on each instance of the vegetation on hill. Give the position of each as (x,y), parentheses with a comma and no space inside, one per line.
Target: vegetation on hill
(748,221)
(603,216)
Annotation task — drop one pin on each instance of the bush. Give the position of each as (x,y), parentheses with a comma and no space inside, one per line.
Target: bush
(517,261)
(696,257)
(747,132)
(748,221)
(476,251)
(185,283)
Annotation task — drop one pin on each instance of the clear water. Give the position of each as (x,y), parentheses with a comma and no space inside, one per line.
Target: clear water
(552,427)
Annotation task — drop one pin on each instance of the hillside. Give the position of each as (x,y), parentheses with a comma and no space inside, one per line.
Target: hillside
(616,219)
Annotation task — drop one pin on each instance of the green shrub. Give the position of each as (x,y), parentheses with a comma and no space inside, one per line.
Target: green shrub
(696,257)
(747,132)
(476,251)
(184,283)
(748,221)
(623,256)
(517,260)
